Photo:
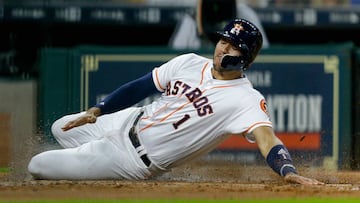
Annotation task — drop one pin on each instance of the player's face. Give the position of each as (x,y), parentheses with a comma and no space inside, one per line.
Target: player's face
(224,47)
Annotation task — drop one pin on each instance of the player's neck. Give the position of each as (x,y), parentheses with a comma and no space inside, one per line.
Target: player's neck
(226,75)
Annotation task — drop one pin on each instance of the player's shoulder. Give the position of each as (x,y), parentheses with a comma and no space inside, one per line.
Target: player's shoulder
(248,90)
(256,97)
(188,61)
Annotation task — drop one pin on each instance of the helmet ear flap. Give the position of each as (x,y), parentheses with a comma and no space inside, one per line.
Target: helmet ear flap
(233,62)
(244,49)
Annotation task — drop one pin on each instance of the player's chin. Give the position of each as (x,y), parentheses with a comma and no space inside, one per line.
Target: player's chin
(217,64)
(218,68)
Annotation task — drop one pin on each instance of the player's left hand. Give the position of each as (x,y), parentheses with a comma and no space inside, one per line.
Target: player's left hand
(86,118)
(295,178)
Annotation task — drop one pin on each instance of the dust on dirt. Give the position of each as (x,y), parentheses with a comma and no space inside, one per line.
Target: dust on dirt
(202,179)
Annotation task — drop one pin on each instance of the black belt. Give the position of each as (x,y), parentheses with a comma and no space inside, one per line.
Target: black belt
(135,141)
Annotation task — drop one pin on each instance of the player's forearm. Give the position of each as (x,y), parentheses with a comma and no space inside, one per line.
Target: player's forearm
(275,152)
(265,139)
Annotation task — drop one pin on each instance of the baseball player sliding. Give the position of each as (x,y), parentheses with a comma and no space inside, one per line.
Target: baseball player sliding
(203,102)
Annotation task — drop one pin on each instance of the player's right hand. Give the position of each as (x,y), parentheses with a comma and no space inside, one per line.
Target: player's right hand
(84,119)
(298,179)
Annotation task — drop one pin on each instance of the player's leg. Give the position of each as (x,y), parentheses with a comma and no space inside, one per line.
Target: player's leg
(99,159)
(88,132)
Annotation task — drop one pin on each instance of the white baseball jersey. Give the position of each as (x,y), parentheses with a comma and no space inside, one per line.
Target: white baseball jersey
(196,112)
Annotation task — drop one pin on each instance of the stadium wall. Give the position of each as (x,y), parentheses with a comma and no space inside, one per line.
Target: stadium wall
(308,87)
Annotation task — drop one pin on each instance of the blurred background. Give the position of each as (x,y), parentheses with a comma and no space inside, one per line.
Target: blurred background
(26,25)
(50,64)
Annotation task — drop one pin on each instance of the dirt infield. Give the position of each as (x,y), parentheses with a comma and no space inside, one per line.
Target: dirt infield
(213,178)
(200,180)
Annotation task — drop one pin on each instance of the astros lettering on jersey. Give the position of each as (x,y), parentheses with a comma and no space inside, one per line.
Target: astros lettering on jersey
(192,115)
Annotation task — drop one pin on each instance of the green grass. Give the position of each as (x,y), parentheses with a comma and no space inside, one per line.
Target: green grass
(4,170)
(307,200)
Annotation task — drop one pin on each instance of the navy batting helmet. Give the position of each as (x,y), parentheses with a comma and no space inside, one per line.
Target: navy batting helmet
(244,35)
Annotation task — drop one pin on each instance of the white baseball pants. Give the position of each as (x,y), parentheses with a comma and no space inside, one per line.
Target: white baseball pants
(101,150)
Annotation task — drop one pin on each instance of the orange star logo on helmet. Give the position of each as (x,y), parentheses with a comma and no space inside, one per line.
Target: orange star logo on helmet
(237,28)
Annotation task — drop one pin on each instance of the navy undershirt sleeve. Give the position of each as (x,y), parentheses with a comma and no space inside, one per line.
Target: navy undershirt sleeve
(128,94)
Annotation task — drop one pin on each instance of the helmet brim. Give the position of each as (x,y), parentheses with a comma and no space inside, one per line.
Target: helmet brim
(222,35)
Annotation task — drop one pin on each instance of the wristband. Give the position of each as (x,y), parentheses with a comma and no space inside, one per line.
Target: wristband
(280,160)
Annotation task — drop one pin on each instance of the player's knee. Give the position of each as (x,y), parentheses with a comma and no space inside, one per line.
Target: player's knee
(56,127)
(57,132)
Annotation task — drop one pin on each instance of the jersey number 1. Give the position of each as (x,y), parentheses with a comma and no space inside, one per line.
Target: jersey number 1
(181,121)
